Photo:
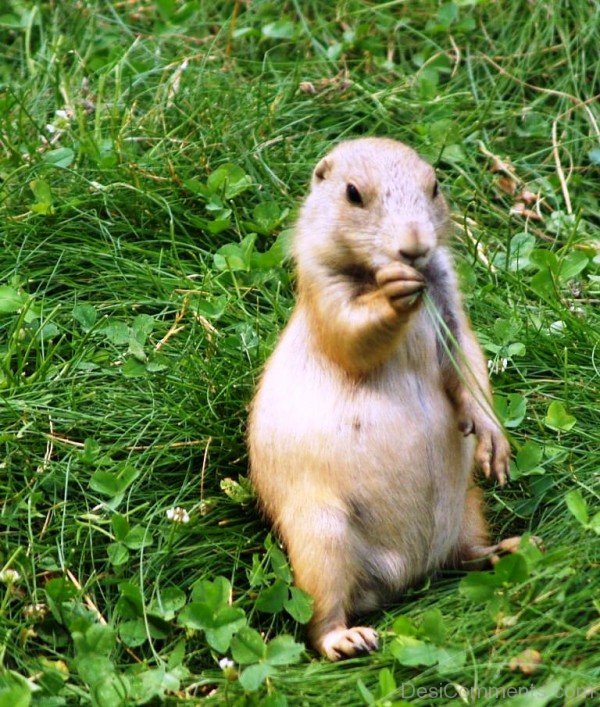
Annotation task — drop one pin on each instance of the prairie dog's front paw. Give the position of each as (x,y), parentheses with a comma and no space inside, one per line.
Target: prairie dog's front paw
(401,284)
(492,453)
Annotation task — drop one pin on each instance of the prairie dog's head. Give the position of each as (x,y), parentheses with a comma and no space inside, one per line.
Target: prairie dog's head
(372,201)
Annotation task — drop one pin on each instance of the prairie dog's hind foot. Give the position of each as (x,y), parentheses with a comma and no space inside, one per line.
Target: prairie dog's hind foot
(509,546)
(347,642)
(492,554)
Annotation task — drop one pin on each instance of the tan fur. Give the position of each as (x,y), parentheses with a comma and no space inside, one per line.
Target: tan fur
(354,439)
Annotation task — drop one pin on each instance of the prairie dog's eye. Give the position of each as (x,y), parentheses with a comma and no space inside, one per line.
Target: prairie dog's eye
(436,189)
(353,195)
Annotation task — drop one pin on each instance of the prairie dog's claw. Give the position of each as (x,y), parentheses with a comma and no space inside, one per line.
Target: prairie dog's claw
(492,453)
(348,642)
(511,545)
(466,426)
(401,284)
(397,271)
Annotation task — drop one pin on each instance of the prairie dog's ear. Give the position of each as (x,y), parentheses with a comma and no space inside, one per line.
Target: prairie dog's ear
(322,169)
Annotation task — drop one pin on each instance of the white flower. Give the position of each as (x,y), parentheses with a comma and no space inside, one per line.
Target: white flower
(35,612)
(499,366)
(64,114)
(178,515)
(577,311)
(9,577)
(204,507)
(228,668)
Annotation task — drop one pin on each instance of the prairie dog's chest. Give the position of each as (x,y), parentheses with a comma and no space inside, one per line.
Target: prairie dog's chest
(305,390)
(412,374)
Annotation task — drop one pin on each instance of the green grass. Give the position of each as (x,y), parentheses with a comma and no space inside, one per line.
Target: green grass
(136,311)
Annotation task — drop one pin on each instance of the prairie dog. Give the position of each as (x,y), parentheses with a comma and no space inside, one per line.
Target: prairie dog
(360,431)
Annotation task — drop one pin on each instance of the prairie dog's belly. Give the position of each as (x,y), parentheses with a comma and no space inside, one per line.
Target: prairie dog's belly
(386,451)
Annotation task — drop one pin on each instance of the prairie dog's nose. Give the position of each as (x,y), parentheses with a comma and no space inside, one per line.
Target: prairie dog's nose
(415,243)
(411,256)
